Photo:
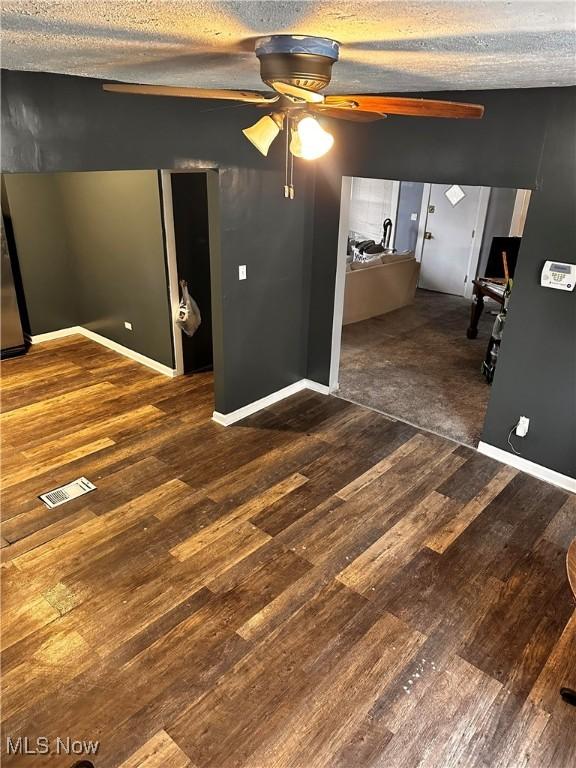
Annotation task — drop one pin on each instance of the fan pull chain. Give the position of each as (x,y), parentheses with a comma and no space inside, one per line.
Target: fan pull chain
(286,184)
(291,176)
(289,166)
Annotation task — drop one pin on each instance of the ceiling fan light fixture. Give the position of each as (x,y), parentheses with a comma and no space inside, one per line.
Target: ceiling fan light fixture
(264,131)
(309,140)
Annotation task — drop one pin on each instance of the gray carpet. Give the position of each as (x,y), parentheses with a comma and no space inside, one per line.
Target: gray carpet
(416,364)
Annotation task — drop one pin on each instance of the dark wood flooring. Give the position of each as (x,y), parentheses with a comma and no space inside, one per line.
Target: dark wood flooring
(316,587)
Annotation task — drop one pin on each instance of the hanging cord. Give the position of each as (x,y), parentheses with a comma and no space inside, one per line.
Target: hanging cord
(510,440)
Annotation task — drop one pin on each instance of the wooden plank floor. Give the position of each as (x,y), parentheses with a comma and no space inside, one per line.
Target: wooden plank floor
(316,587)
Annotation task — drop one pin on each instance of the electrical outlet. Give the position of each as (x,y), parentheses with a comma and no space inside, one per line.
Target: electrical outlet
(522,426)
(413,216)
(242,272)
(127,325)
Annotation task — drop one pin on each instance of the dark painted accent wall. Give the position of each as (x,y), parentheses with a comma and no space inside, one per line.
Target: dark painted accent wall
(265,316)
(536,374)
(37,217)
(505,149)
(114,228)
(91,253)
(55,123)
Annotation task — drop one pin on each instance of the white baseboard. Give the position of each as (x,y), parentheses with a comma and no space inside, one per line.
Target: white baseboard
(226,419)
(40,337)
(119,348)
(530,467)
(316,387)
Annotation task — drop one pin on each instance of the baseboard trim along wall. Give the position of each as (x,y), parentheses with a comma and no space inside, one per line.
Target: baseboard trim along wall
(226,419)
(40,337)
(119,348)
(530,467)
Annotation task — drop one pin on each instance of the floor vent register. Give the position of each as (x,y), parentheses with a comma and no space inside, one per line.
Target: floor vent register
(67,492)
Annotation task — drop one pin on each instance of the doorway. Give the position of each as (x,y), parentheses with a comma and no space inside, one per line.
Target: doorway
(190,222)
(401,335)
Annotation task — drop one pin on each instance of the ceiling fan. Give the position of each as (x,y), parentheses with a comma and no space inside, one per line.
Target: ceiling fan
(298,68)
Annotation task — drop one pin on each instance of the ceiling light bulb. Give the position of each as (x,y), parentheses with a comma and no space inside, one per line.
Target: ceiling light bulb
(310,140)
(263,133)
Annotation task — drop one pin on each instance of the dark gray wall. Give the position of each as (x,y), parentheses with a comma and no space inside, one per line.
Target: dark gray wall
(56,123)
(114,227)
(536,374)
(265,318)
(91,251)
(505,149)
(37,217)
(409,202)
(498,220)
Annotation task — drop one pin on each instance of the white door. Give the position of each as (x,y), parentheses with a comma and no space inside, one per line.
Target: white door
(449,238)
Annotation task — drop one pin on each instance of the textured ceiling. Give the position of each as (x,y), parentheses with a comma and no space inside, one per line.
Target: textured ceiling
(387,46)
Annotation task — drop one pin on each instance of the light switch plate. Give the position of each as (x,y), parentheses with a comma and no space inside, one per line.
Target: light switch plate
(127,325)
(242,272)
(414,216)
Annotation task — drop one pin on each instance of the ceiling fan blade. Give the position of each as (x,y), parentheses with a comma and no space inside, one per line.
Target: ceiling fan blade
(356,115)
(252,97)
(286,89)
(397,105)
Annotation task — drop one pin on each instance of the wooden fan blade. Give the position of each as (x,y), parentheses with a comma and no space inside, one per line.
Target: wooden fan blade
(252,97)
(357,115)
(286,89)
(397,105)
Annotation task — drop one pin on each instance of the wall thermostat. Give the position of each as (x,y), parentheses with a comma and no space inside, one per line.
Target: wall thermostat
(558,275)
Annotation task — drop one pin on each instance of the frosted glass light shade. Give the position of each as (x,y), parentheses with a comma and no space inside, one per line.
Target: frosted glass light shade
(310,140)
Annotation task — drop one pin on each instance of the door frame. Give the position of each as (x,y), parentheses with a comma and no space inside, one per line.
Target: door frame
(340,282)
(395,206)
(172,269)
(172,264)
(475,242)
(422,221)
(476,246)
(520,212)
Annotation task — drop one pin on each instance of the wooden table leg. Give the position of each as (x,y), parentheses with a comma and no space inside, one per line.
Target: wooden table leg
(476,311)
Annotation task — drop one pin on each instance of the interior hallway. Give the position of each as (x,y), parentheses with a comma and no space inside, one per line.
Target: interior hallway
(318,586)
(416,364)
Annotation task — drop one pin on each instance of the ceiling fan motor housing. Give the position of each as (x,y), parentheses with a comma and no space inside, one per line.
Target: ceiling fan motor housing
(297,59)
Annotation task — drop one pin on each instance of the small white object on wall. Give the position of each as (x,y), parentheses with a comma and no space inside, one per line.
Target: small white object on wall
(522,426)
(242,272)
(556,274)
(455,194)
